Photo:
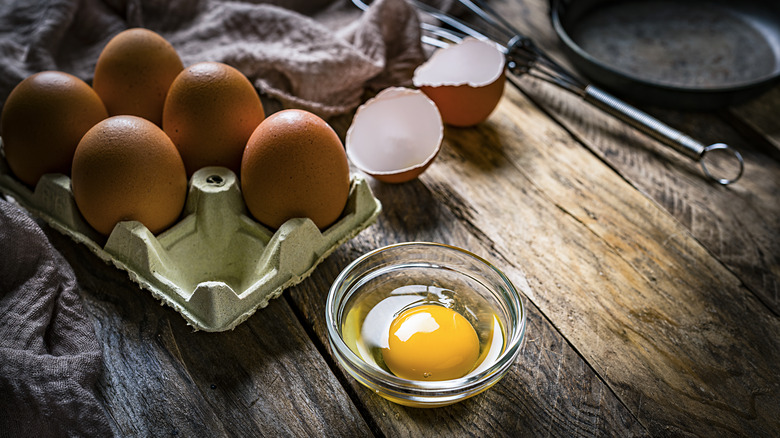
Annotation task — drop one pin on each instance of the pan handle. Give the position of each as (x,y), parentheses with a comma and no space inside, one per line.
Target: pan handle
(656,129)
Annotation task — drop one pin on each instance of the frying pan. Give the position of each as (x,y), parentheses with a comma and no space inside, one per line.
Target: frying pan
(698,54)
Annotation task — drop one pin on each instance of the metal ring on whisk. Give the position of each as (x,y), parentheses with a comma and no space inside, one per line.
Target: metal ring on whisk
(723,146)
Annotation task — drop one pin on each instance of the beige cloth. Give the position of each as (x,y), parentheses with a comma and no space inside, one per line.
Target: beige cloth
(318,55)
(50,358)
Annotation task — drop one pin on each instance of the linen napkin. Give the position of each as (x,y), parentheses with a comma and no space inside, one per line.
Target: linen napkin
(316,55)
(50,358)
(320,55)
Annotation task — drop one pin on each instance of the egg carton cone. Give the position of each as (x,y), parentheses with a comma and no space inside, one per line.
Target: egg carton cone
(216,266)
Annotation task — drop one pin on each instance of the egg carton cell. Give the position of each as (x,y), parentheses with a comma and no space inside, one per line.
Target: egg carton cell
(216,266)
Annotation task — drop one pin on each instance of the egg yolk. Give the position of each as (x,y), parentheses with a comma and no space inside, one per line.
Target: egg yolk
(431,342)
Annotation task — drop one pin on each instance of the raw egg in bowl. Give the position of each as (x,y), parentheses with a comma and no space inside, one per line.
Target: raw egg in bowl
(424,324)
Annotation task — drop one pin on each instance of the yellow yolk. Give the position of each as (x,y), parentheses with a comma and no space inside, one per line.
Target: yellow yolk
(431,342)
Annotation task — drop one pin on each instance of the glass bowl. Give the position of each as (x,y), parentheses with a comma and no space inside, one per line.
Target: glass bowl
(368,293)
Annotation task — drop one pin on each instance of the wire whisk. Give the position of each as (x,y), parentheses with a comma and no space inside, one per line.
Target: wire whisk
(525,58)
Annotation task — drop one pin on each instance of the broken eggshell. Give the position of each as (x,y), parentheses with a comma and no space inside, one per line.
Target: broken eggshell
(395,135)
(465,80)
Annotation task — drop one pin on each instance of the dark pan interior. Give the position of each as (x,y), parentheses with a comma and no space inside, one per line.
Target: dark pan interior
(693,54)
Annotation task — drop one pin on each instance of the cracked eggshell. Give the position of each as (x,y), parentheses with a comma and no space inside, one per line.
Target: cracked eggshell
(466,81)
(395,135)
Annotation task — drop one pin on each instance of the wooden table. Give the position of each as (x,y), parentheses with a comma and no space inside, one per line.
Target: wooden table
(652,294)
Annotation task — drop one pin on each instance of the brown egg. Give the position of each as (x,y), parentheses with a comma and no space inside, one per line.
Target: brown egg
(43,120)
(126,168)
(210,112)
(295,166)
(133,73)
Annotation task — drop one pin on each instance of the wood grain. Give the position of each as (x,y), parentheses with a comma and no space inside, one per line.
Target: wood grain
(549,391)
(761,115)
(738,223)
(265,378)
(604,265)
(652,294)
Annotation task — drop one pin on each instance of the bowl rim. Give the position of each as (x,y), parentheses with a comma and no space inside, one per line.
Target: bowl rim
(401,388)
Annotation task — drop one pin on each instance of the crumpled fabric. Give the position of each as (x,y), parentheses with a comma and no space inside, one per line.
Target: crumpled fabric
(50,358)
(319,55)
(322,56)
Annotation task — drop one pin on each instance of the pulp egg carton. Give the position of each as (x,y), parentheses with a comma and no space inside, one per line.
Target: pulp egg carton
(217,265)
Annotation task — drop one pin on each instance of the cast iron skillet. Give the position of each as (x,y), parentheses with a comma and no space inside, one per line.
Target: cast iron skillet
(697,54)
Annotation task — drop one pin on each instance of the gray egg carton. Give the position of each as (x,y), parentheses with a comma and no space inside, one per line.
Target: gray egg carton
(216,266)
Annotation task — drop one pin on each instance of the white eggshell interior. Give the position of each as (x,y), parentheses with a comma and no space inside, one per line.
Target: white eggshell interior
(471,62)
(397,130)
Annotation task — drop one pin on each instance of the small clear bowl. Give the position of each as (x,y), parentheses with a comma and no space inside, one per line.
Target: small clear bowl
(465,279)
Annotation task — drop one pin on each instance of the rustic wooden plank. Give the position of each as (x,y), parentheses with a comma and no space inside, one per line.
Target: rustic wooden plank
(641,319)
(162,378)
(761,115)
(660,319)
(549,391)
(738,223)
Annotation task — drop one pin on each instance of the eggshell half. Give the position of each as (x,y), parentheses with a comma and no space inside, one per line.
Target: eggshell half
(395,135)
(465,80)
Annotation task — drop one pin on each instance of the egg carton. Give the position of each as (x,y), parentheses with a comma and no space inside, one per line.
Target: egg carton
(217,265)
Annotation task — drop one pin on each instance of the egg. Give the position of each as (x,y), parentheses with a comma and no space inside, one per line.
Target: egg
(43,120)
(134,72)
(126,168)
(431,342)
(294,165)
(465,80)
(395,135)
(210,112)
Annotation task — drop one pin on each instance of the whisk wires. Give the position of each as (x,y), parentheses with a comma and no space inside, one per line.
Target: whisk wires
(522,55)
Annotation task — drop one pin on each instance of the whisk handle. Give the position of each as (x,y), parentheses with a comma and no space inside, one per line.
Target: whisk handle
(644,122)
